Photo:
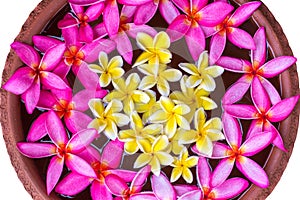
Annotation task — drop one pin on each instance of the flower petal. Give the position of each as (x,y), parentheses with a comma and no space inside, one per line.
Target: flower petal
(135,29)
(231,64)
(240,38)
(179,27)
(278,142)
(142,160)
(222,171)
(219,150)
(36,150)
(161,40)
(160,143)
(147,82)
(140,179)
(52,57)
(271,90)
(27,54)
(168,11)
(111,18)
(32,96)
(114,148)
(230,188)
(164,158)
(192,195)
(203,173)
(43,43)
(259,54)
(217,46)
(259,96)
(195,40)
(100,191)
(86,33)
(162,187)
(116,185)
(81,140)
(52,81)
(184,5)
(79,165)
(38,128)
(84,2)
(232,130)
(241,111)
(133,2)
(124,46)
(55,129)
(145,12)
(144,41)
(54,171)
(94,11)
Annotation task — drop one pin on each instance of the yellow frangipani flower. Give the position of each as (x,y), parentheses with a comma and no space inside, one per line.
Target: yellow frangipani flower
(193,98)
(172,115)
(154,154)
(107,118)
(132,137)
(155,49)
(158,75)
(202,75)
(109,70)
(181,167)
(174,145)
(127,92)
(206,132)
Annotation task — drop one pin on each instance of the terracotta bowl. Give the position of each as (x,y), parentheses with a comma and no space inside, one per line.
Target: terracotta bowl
(11,112)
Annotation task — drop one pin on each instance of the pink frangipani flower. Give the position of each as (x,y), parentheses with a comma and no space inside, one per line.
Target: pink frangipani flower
(146,9)
(211,185)
(257,68)
(84,2)
(262,112)
(229,29)
(26,81)
(196,14)
(62,149)
(162,189)
(103,165)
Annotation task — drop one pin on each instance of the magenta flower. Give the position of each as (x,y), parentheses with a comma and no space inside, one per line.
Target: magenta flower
(26,81)
(262,112)
(257,68)
(212,185)
(103,166)
(82,18)
(62,149)
(84,2)
(146,9)
(162,189)
(196,14)
(229,29)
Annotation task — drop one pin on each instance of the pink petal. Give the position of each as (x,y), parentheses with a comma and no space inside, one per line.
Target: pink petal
(100,31)
(36,150)
(222,171)
(145,12)
(257,143)
(81,140)
(243,13)
(217,46)
(114,148)
(278,142)
(88,78)
(195,41)
(79,165)
(20,81)
(203,172)
(220,150)
(55,129)
(143,196)
(77,9)
(271,90)
(162,188)
(84,2)
(135,29)
(38,128)
(65,95)
(232,130)
(255,127)
(66,186)
(54,171)
(47,100)
(86,33)
(184,5)
(233,64)
(116,185)
(32,96)
(253,171)
(71,36)
(259,96)
(236,91)
(140,179)
(281,111)
(67,22)
(126,175)
(179,27)
(168,11)
(94,11)
(214,13)
(240,38)
(52,57)
(259,54)
(52,81)
(62,69)
(276,66)
(241,111)
(43,43)
(90,154)
(193,195)
(199,4)
(100,191)
(128,12)
(124,46)
(183,189)
(209,31)
(230,188)
(76,121)
(81,99)
(111,17)
(133,2)
(27,54)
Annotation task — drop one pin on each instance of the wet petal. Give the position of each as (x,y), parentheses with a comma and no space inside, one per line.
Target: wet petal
(231,64)
(140,179)
(217,46)
(32,96)
(79,165)
(135,29)
(271,90)
(100,191)
(81,140)
(230,188)
(94,11)
(162,187)
(52,57)
(193,195)
(168,11)
(203,172)
(219,150)
(259,54)
(124,47)
(84,2)
(195,40)
(259,96)
(38,128)
(232,130)
(184,5)
(27,54)
(54,171)
(112,154)
(55,129)
(160,143)
(43,43)
(147,82)
(86,33)
(111,18)
(142,160)
(116,185)
(179,27)
(241,111)
(240,38)
(36,150)
(161,40)
(222,171)
(145,12)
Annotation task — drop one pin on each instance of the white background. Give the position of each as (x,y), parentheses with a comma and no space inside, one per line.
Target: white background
(14,13)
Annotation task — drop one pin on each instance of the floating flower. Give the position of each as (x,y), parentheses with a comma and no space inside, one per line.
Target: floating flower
(109,70)
(158,74)
(26,81)
(202,74)
(262,112)
(63,150)
(84,2)
(257,68)
(137,133)
(103,166)
(205,134)
(193,98)
(154,154)
(155,49)
(196,14)
(127,92)
(172,115)
(212,185)
(182,165)
(107,118)
(229,29)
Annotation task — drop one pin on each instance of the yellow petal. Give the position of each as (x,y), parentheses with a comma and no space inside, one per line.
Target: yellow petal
(164,158)
(97,124)
(214,71)
(126,135)
(159,116)
(164,56)
(176,95)
(215,135)
(187,175)
(181,109)
(111,130)
(115,62)
(113,107)
(208,83)
(132,82)
(161,40)
(171,75)
(140,96)
(205,146)
(166,104)
(176,147)
(208,103)
(191,161)
(176,173)
(187,137)
(155,166)
(145,146)
(142,107)
(105,79)
(202,61)
(182,122)
(214,123)
(119,84)
(147,82)
(199,119)
(114,95)
(189,68)
(128,105)
(131,147)
(103,59)
(142,160)
(136,121)
(147,69)
(171,126)
(96,68)
(144,41)
(96,107)
(193,81)
(163,87)
(120,119)
(160,143)
(152,129)
(116,73)
(188,92)
(184,154)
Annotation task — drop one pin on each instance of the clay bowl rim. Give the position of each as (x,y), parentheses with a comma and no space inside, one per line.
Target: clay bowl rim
(10,104)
